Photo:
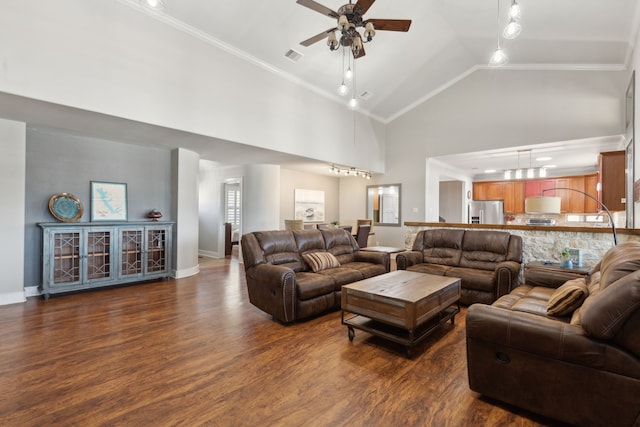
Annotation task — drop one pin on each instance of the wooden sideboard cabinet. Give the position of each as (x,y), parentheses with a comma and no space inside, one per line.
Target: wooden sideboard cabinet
(79,256)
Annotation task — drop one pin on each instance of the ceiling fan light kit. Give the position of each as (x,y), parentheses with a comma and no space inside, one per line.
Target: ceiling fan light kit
(349,18)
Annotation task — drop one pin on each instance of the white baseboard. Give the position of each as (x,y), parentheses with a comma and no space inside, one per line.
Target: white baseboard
(12,298)
(32,291)
(210,254)
(187,272)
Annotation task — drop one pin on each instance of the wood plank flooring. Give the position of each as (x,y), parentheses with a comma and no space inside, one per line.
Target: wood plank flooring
(195,352)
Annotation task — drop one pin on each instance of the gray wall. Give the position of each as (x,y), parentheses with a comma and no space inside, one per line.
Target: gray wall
(58,162)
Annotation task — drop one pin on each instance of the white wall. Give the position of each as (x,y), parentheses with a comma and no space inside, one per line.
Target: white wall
(497,109)
(260,198)
(184,207)
(106,57)
(211,207)
(12,214)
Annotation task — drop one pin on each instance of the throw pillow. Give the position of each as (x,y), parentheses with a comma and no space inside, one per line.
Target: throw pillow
(319,261)
(567,297)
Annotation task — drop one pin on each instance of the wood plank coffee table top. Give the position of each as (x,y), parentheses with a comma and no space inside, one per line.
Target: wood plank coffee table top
(403,299)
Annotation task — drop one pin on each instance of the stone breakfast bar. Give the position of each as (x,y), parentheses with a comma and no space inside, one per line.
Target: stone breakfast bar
(543,243)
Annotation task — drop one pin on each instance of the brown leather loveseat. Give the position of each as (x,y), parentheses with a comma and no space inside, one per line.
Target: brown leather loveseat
(570,351)
(487,262)
(295,274)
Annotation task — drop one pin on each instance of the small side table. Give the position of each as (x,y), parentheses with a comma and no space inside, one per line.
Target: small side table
(388,249)
(551,274)
(555,267)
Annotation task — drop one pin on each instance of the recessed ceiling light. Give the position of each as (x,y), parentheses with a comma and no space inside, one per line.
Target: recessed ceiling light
(543,159)
(490,171)
(155,5)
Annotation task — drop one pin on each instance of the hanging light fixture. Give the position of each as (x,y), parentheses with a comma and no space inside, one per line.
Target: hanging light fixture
(512,30)
(353,102)
(499,58)
(343,89)
(514,11)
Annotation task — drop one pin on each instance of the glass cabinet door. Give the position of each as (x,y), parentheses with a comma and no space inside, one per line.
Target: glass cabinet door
(156,250)
(66,258)
(131,247)
(99,254)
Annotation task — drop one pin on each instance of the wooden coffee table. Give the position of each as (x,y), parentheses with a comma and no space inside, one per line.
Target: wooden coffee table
(401,306)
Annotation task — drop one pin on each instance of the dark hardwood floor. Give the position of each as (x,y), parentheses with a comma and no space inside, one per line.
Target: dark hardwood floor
(194,352)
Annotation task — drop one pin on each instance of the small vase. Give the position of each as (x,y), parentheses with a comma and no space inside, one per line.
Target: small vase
(566,263)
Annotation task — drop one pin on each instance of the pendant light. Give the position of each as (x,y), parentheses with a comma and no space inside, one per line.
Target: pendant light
(343,89)
(499,58)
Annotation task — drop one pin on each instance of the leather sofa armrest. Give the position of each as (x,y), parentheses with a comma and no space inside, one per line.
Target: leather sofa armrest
(548,278)
(408,258)
(382,258)
(507,273)
(545,337)
(272,288)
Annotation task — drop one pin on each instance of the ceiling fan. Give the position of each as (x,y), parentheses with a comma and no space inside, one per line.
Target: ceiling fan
(349,18)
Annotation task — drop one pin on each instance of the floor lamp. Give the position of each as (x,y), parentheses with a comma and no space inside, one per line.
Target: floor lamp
(551,204)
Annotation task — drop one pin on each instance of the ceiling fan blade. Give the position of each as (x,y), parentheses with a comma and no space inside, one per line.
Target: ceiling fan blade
(390,24)
(318,8)
(317,37)
(363,6)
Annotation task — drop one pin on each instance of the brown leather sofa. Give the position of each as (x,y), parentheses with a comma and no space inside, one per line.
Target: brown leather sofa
(279,270)
(580,365)
(487,262)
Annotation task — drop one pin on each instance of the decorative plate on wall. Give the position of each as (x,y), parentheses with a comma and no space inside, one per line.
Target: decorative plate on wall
(65,207)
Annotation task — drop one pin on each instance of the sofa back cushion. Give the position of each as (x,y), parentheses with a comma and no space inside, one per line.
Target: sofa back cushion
(605,314)
(308,241)
(483,250)
(618,262)
(440,246)
(280,248)
(340,243)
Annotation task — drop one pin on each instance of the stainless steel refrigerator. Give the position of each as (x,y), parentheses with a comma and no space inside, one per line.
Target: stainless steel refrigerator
(486,212)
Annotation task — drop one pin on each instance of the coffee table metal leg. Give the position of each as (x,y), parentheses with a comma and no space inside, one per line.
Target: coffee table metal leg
(351,332)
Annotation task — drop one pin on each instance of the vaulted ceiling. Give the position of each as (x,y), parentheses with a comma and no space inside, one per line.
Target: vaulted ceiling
(447,40)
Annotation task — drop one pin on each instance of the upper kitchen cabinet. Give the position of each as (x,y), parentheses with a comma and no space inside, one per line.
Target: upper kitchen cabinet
(611,165)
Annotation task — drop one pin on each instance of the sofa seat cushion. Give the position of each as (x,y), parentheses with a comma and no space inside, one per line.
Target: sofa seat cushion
(342,276)
(480,280)
(527,299)
(437,269)
(366,268)
(311,285)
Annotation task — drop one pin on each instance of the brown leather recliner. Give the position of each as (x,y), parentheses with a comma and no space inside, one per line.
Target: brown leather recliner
(580,366)
(281,280)
(487,262)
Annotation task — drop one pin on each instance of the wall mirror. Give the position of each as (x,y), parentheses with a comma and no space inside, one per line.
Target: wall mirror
(383,204)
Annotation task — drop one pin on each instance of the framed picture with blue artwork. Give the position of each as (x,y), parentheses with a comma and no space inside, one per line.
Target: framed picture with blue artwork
(108,201)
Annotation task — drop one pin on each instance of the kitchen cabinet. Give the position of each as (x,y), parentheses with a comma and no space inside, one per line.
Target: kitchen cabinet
(511,192)
(514,192)
(611,166)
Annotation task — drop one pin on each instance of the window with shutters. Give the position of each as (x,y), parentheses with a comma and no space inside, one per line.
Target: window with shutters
(232,204)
